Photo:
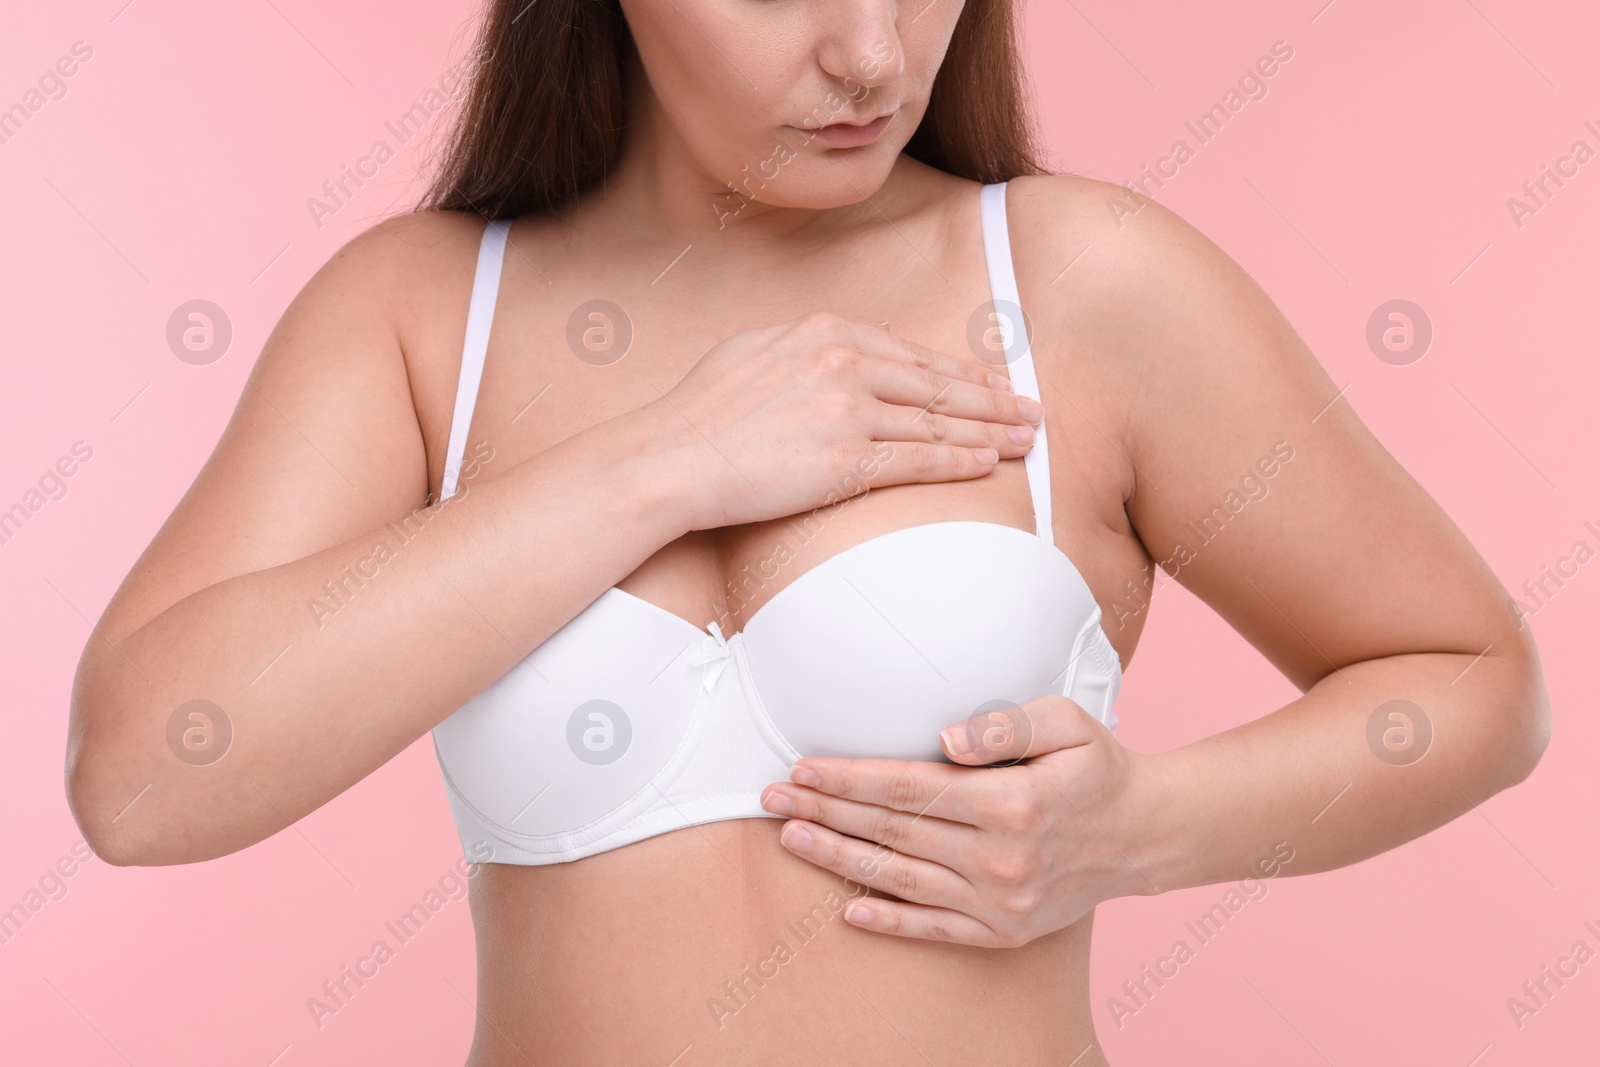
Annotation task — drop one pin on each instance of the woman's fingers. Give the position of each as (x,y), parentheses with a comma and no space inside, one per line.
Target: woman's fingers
(897,423)
(921,379)
(880,342)
(933,399)
(917,462)
(921,922)
(787,418)
(953,794)
(1010,735)
(922,835)
(905,876)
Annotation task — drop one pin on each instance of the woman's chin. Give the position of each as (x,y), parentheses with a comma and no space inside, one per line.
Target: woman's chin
(835,179)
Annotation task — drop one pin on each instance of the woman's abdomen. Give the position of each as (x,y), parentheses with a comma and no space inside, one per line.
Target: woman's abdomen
(714,945)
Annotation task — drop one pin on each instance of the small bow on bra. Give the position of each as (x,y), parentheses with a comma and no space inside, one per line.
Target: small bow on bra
(714,650)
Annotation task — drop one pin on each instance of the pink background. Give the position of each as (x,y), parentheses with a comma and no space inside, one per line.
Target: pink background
(178,166)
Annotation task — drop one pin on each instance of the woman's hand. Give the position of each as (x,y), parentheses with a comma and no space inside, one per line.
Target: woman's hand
(990,856)
(785,419)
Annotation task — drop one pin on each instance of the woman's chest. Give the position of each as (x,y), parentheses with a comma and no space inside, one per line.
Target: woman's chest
(573,345)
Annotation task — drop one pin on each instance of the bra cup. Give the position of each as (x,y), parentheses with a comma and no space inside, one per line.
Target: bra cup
(585,724)
(630,722)
(914,631)
(1095,676)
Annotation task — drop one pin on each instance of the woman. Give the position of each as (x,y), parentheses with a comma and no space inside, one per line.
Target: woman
(725,430)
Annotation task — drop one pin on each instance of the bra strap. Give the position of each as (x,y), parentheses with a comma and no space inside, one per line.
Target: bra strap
(480,316)
(1007,315)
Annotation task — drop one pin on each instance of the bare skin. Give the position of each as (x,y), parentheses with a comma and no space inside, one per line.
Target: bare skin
(728,889)
(1165,373)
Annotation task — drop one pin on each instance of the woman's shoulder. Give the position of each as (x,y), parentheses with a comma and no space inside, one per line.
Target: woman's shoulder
(408,279)
(401,272)
(420,265)
(1121,274)
(412,254)
(1108,233)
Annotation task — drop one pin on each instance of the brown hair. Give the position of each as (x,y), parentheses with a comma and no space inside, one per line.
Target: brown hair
(544,117)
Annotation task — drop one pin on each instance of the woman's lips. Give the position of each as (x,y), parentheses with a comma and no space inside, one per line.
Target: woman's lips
(844,135)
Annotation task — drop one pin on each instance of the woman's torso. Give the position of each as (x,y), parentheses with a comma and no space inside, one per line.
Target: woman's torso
(657,949)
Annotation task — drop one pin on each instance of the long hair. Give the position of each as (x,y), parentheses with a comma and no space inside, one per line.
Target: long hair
(545,113)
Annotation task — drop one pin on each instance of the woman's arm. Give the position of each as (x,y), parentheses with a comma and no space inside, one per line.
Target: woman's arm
(325,620)
(1339,568)
(302,589)
(1262,492)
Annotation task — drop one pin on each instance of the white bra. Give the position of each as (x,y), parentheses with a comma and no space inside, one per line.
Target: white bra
(630,721)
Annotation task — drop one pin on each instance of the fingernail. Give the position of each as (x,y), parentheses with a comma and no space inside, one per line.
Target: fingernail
(986,455)
(960,740)
(999,381)
(796,838)
(1030,408)
(1020,435)
(804,776)
(858,913)
(778,803)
